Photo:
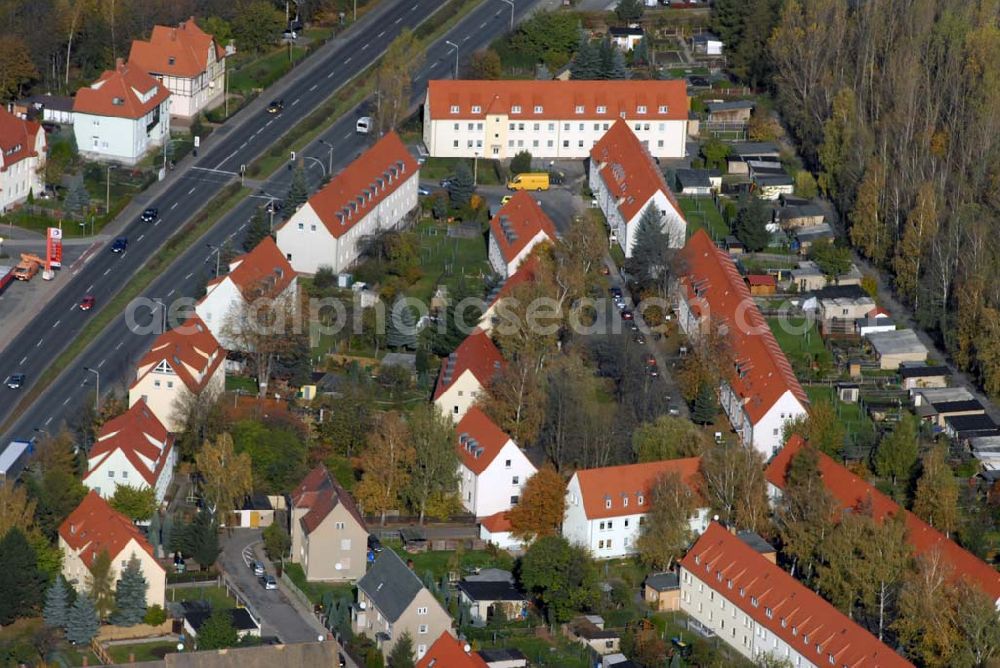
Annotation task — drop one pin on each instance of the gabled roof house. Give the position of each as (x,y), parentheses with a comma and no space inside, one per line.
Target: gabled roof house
(466,373)
(515,230)
(492,469)
(329,536)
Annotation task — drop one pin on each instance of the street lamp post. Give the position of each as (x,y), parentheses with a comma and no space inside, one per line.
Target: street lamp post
(511,3)
(97,391)
(329,146)
(218,256)
(475,168)
(318,162)
(107,194)
(454,46)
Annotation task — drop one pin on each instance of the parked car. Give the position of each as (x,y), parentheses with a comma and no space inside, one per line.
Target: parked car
(274,206)
(276,106)
(258,569)
(87,303)
(15,381)
(627,314)
(374,544)
(120,245)
(639,338)
(270,582)
(423,192)
(150,215)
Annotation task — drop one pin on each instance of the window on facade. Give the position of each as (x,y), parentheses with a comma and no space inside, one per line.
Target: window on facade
(479,143)
(479,126)
(506,464)
(597,126)
(534,143)
(156,383)
(514,499)
(422,611)
(659,143)
(455,144)
(602,526)
(456,126)
(626,524)
(339,526)
(422,629)
(312,228)
(512,126)
(565,126)
(580,144)
(552,127)
(111,474)
(515,480)
(345,544)
(600,545)
(520,126)
(537,127)
(550,143)
(565,143)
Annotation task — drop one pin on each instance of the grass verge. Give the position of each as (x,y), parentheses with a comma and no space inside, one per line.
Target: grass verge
(216,596)
(317,590)
(228,198)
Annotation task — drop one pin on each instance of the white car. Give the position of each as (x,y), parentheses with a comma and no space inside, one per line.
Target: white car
(270,582)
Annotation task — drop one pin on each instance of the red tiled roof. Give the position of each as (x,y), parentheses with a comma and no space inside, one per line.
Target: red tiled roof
(95,526)
(498,522)
(321,493)
(526,272)
(140,436)
(476,354)
(117,93)
(264,262)
(820,629)
(628,170)
(525,219)
(190,345)
(338,205)
(449,652)
(755,280)
(725,299)
(559,99)
(853,492)
(178,52)
(17,139)
(630,481)
(477,426)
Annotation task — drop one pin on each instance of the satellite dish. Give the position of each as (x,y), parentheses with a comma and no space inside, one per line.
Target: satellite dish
(319,638)
(467,648)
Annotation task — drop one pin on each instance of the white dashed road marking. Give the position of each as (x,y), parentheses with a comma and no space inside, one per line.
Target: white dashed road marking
(172,207)
(189,276)
(102,363)
(192,190)
(314,86)
(23,360)
(57,324)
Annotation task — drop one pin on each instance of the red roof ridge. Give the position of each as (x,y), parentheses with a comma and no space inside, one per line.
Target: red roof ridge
(190,345)
(497,522)
(180,51)
(140,436)
(628,486)
(17,139)
(117,93)
(524,220)
(449,652)
(476,354)
(265,262)
(96,526)
(478,440)
(320,492)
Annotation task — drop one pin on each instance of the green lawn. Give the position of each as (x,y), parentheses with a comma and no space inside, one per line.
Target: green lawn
(851,415)
(447,260)
(435,169)
(702,214)
(264,70)
(438,563)
(216,596)
(800,343)
(317,590)
(244,385)
(144,651)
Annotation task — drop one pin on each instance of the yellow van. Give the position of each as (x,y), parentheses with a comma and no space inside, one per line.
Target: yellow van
(529,181)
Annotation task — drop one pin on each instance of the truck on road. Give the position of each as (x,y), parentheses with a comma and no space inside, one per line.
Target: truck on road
(529,181)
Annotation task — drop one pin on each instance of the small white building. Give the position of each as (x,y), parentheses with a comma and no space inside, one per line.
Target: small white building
(515,230)
(551,119)
(375,192)
(263,272)
(188,61)
(497,529)
(121,116)
(182,361)
(466,373)
(625,38)
(133,449)
(22,159)
(605,507)
(492,469)
(707,44)
(625,182)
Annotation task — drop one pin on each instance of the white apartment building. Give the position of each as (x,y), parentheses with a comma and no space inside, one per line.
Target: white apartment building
(551,119)
(492,469)
(188,62)
(375,192)
(515,230)
(626,181)
(761,392)
(758,609)
(121,116)
(605,507)
(466,373)
(22,159)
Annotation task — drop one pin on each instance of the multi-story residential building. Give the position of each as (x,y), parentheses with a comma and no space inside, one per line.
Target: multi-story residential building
(626,182)
(759,392)
(22,159)
(183,361)
(466,373)
(853,493)
(95,527)
(515,230)
(262,273)
(329,537)
(550,119)
(121,116)
(492,469)
(758,609)
(606,507)
(392,601)
(188,61)
(526,273)
(375,192)
(132,449)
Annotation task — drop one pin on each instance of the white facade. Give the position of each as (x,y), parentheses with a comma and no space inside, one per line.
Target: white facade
(610,537)
(505,540)
(223,305)
(26,175)
(104,474)
(117,139)
(461,394)
(498,486)
(76,572)
(162,389)
(308,244)
(624,230)
(499,137)
(504,267)
(190,95)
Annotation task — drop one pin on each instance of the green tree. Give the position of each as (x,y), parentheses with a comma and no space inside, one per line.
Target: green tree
(715,153)
(217,27)
(548,36)
(373,658)
(936,498)
(925,624)
(666,532)
(257,25)
(258,230)
(16,68)
(137,504)
(461,186)
(277,453)
(586,63)
(101,584)
(735,485)
(198,539)
(227,476)
(521,162)
(298,190)
(155,615)
(56,611)
(434,471)
(77,201)
(870,231)
(804,516)
(82,622)
(706,406)
(667,437)
(542,506)
(561,576)
(750,226)
(402,655)
(401,326)
(832,260)
(744,28)
(805,184)
(20,580)
(822,428)
(393,79)
(896,455)
(975,619)
(640,54)
(218,631)
(130,595)
(385,464)
(649,251)
(619,69)
(461,315)
(347,420)
(629,10)
(485,65)
(276,541)
(439,206)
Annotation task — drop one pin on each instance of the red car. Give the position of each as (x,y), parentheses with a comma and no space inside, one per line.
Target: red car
(87,303)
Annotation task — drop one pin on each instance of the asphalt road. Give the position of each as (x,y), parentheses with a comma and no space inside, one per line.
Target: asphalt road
(115,351)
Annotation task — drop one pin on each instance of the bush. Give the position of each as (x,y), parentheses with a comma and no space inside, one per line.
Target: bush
(155,615)
(520,163)
(324,278)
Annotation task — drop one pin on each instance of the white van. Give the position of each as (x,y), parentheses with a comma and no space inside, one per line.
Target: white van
(364,125)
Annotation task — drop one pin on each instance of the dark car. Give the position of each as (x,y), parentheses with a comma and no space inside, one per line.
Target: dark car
(627,315)
(699,82)
(150,215)
(274,206)
(374,544)
(15,381)
(276,106)
(616,291)
(120,244)
(87,303)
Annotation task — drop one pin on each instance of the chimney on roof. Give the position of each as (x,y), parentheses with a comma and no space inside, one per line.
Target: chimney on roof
(119,64)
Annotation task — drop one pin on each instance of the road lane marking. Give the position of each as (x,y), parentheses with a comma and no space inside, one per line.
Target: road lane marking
(66,400)
(189,276)
(107,271)
(48,421)
(314,87)
(348,59)
(482,25)
(413,8)
(157,222)
(90,288)
(293,104)
(140,238)
(269,123)
(381,33)
(396,22)
(119,346)
(465,39)
(243,226)
(173,206)
(23,360)
(192,189)
(244,144)
(102,363)
(39,344)
(364,47)
(58,322)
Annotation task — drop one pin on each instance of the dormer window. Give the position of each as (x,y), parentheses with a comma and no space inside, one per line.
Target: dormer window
(118,101)
(642,500)
(171,61)
(516,109)
(697,560)
(729,583)
(625,501)
(641,109)
(662,109)
(476,109)
(753,601)
(454,108)
(607,503)
(538,108)
(579,108)
(784,623)
(601,109)
(769,613)
(742,592)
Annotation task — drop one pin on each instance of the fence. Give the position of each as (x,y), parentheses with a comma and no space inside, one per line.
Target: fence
(295,591)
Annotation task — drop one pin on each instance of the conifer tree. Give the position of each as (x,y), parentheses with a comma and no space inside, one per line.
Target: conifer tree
(298,191)
(705,405)
(56,611)
(462,186)
(586,64)
(619,70)
(401,327)
(20,579)
(82,622)
(130,595)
